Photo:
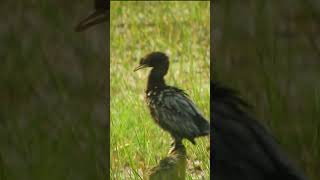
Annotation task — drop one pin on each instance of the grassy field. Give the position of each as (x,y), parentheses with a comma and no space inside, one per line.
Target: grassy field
(183,31)
(53,85)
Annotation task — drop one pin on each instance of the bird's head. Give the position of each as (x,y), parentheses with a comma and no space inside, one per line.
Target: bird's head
(155,60)
(99,15)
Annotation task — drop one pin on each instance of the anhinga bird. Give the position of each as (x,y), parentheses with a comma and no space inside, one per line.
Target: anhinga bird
(99,15)
(169,106)
(242,148)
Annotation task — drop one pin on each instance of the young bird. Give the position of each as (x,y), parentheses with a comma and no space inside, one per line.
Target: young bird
(169,106)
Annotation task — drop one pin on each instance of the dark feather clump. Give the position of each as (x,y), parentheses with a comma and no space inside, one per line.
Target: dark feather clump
(228,96)
(242,148)
(170,107)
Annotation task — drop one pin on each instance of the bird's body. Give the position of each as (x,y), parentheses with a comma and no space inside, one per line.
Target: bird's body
(174,112)
(242,148)
(170,107)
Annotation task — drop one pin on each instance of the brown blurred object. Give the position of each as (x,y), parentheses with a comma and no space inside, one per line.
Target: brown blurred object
(171,167)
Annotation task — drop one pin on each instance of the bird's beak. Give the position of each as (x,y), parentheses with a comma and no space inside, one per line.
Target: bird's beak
(94,18)
(140,67)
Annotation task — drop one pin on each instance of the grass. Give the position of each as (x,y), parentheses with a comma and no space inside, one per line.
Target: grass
(181,29)
(53,121)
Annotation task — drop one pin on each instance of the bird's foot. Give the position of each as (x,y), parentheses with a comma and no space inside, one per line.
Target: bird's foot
(175,146)
(172,150)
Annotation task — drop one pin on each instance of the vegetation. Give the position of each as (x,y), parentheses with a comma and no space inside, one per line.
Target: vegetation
(181,29)
(53,86)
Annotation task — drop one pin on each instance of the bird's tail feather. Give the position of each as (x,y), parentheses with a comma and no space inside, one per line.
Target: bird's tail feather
(204,127)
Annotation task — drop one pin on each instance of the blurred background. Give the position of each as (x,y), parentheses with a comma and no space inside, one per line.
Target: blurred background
(53,81)
(53,90)
(270,52)
(182,30)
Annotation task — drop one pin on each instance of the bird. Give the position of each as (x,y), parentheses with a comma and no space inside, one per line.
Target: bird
(243,149)
(99,15)
(170,107)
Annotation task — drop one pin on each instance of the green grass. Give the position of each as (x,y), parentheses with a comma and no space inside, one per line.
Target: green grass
(183,31)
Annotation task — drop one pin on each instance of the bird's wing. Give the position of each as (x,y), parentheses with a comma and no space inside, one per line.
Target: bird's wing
(177,113)
(236,149)
(243,146)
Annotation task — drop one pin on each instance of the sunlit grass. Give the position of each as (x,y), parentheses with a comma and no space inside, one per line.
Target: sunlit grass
(181,29)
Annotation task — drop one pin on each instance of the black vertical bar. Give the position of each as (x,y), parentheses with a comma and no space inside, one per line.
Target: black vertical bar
(108,94)
(211,77)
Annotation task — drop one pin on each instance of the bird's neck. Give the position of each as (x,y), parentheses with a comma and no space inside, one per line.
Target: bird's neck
(156,79)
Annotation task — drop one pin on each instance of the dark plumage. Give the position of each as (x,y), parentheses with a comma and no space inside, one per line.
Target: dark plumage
(242,148)
(99,15)
(169,106)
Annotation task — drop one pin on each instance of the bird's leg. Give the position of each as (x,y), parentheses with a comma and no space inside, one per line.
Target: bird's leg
(172,143)
(176,143)
(174,140)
